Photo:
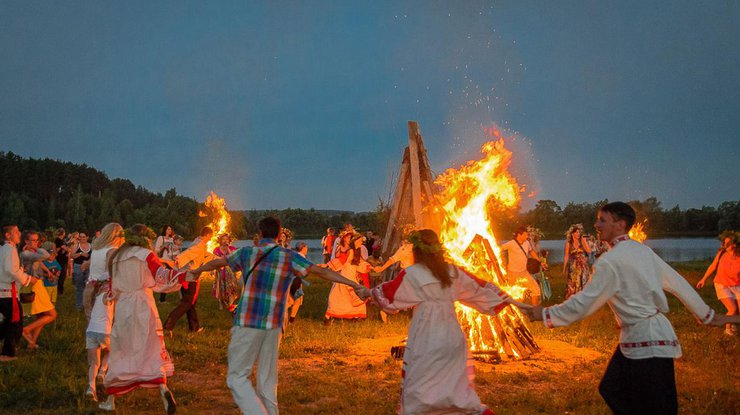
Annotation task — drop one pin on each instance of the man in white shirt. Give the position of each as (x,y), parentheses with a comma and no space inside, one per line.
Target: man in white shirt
(12,278)
(518,250)
(631,278)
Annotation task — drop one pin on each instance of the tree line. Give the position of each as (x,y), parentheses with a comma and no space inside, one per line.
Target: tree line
(553,220)
(45,193)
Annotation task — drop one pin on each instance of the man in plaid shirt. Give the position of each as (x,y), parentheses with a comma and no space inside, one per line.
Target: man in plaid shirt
(258,319)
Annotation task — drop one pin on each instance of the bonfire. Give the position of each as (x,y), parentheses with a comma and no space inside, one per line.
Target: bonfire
(467,196)
(637,232)
(219,217)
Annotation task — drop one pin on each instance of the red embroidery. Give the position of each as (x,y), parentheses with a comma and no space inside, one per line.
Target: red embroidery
(153,263)
(390,287)
(548,319)
(120,390)
(650,343)
(499,307)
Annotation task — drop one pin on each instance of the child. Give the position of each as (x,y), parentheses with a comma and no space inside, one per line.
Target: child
(97,337)
(51,278)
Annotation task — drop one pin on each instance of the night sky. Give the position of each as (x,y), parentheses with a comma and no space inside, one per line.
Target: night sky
(304,104)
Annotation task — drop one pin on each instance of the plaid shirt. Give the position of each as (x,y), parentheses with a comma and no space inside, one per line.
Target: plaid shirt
(262,305)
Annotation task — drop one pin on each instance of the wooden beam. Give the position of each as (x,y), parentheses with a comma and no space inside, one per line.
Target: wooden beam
(414,137)
(397,200)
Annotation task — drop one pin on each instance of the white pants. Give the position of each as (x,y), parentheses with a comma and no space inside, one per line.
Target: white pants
(248,346)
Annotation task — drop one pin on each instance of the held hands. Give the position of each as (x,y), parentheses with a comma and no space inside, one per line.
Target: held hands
(534,313)
(363,292)
(722,319)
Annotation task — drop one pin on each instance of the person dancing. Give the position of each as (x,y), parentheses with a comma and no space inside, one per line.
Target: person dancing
(343,302)
(631,278)
(575,260)
(727,280)
(138,357)
(436,375)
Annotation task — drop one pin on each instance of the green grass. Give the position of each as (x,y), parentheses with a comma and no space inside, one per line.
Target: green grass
(323,370)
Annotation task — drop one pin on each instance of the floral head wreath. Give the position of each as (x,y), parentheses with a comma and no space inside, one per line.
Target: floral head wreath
(349,231)
(144,241)
(415,239)
(573,228)
(535,233)
(734,237)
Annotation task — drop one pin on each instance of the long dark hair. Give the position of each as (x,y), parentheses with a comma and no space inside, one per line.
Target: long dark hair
(356,252)
(428,251)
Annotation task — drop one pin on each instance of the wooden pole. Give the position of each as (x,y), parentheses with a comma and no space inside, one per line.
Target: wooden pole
(414,135)
(397,200)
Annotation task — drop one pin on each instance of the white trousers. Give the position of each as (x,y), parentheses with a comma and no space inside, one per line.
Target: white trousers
(248,346)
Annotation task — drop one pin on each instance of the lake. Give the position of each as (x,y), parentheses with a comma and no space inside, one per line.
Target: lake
(670,249)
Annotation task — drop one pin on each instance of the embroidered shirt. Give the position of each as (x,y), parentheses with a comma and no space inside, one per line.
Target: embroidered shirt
(631,278)
(262,303)
(10,270)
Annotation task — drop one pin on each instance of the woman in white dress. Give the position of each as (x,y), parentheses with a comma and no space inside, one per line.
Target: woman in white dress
(100,315)
(436,375)
(138,357)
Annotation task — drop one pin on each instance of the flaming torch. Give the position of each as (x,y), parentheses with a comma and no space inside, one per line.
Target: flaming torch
(467,195)
(215,210)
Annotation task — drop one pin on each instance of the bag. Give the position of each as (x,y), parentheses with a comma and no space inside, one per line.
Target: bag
(533,266)
(27,298)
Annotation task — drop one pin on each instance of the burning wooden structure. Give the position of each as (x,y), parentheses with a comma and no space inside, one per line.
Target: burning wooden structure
(455,205)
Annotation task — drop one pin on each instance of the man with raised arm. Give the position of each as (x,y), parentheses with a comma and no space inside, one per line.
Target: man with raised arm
(12,277)
(631,278)
(268,271)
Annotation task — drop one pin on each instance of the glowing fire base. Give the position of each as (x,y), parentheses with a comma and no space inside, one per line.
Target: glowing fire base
(500,337)
(492,339)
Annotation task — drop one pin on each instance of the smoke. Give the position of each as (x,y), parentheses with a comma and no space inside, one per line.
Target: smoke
(222,170)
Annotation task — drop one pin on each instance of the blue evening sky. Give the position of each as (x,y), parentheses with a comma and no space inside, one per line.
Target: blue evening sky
(281,104)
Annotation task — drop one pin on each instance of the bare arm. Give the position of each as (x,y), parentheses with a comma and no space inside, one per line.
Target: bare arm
(710,270)
(211,265)
(566,254)
(332,276)
(585,246)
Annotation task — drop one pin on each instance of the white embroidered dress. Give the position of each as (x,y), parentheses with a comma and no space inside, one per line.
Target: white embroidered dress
(436,376)
(138,357)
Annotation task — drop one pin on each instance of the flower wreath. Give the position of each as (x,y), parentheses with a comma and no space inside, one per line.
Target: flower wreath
(415,239)
(144,241)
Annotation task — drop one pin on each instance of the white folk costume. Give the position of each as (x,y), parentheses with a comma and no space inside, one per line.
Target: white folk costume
(631,278)
(343,301)
(437,378)
(138,357)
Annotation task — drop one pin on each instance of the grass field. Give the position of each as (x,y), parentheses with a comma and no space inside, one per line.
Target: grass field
(344,368)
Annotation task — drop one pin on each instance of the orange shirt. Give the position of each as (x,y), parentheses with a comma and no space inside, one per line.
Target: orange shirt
(728,270)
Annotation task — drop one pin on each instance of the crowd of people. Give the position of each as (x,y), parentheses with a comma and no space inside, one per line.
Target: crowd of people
(117,273)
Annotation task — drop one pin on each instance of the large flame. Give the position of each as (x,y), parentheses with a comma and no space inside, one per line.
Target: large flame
(637,232)
(467,196)
(219,217)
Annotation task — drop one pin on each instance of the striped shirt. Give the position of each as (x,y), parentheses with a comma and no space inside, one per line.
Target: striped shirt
(262,304)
